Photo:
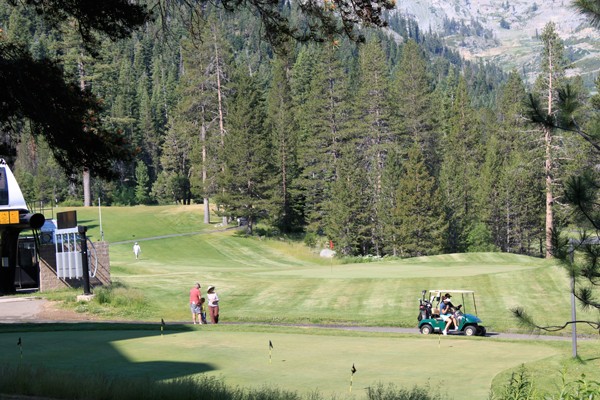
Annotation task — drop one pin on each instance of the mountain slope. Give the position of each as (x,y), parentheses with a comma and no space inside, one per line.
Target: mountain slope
(505,31)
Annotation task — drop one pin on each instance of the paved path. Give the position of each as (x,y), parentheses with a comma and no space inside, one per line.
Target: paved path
(20,309)
(15,309)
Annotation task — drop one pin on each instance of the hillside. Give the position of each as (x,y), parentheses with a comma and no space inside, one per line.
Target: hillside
(505,31)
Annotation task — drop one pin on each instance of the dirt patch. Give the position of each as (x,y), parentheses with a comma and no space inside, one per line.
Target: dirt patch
(53,311)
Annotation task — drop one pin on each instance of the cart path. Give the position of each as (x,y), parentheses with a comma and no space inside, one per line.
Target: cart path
(172,235)
(17,309)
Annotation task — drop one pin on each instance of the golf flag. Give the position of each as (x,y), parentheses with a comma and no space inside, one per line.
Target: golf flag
(162,326)
(270,350)
(353,370)
(20,344)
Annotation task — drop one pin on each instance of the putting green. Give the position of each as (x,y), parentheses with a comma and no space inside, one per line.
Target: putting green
(302,360)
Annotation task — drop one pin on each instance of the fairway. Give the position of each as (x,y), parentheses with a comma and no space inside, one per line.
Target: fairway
(262,280)
(302,360)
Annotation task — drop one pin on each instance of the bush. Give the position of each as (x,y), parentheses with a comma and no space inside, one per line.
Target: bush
(391,392)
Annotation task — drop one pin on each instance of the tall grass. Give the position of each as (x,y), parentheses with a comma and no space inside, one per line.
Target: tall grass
(521,386)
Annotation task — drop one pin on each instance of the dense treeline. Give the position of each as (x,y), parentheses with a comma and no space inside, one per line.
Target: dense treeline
(392,147)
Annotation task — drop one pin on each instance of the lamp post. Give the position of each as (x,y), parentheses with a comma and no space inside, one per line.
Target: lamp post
(84,259)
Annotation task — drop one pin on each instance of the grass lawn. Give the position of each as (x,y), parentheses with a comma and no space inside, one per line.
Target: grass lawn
(278,280)
(302,360)
(273,280)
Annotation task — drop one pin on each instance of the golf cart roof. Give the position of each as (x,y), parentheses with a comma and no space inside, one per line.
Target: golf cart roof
(450,291)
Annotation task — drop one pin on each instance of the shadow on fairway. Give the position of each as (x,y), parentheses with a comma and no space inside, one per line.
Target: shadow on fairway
(122,350)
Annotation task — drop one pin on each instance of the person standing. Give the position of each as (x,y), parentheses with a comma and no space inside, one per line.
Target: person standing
(202,311)
(195,295)
(137,250)
(213,304)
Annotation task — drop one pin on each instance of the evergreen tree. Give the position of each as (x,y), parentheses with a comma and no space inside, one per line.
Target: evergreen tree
(142,179)
(458,174)
(285,210)
(323,121)
(553,67)
(411,91)
(419,212)
(347,209)
(372,131)
(246,178)
(515,217)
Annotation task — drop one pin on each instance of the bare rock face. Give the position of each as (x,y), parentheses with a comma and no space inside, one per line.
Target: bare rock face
(507,32)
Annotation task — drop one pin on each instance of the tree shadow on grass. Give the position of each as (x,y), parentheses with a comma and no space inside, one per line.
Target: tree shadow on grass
(122,350)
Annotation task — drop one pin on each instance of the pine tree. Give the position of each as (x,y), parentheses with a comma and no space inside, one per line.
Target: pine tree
(372,131)
(323,120)
(553,64)
(411,100)
(346,211)
(246,178)
(462,155)
(419,212)
(142,179)
(285,208)
(516,218)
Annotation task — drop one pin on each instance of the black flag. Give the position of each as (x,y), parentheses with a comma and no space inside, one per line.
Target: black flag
(353,370)
(19,342)
(162,322)
(270,345)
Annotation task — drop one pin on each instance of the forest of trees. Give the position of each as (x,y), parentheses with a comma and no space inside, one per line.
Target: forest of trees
(395,146)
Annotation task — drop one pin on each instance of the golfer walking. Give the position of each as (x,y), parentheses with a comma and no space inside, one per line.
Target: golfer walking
(213,304)
(137,250)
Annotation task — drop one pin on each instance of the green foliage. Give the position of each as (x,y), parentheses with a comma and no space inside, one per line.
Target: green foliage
(117,300)
(32,381)
(391,392)
(142,183)
(479,239)
(519,387)
(173,100)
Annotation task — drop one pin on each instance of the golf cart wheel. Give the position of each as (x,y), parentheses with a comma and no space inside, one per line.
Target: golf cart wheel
(481,331)
(470,330)
(426,329)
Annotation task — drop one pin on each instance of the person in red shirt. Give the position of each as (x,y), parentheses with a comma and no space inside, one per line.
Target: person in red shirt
(195,295)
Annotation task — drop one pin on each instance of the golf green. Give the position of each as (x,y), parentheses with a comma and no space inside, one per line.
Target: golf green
(302,360)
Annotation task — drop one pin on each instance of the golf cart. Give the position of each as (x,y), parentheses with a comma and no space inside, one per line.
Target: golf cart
(429,313)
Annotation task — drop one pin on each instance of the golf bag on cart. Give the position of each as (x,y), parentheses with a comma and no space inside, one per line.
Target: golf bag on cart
(424,309)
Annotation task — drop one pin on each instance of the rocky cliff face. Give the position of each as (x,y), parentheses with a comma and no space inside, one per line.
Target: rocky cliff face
(506,31)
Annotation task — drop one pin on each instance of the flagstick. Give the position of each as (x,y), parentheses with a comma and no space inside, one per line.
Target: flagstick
(439,340)
(351,376)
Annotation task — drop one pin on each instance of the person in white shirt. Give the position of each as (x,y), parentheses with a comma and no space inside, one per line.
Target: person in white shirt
(137,250)
(213,304)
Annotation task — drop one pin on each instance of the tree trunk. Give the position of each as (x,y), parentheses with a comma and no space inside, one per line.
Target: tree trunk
(549,194)
(87,196)
(87,192)
(219,99)
(206,211)
(548,166)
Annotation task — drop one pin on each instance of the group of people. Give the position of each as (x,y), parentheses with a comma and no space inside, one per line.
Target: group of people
(448,312)
(197,305)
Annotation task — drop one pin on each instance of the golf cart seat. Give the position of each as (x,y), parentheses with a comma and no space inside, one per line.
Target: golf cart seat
(435,313)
